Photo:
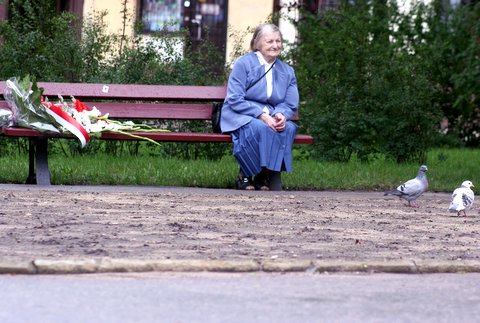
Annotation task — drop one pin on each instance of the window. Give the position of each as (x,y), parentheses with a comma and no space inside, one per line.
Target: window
(161,15)
(201,20)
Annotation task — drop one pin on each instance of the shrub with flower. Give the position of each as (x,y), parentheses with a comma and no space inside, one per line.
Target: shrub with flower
(29,109)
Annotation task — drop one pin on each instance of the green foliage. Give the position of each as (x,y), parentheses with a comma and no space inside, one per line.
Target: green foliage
(466,76)
(37,42)
(446,40)
(373,79)
(158,60)
(363,93)
(57,47)
(95,49)
(13,146)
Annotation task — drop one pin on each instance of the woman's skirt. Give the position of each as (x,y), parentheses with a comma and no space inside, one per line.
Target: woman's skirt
(256,146)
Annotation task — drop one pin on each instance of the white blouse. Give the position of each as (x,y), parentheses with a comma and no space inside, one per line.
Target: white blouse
(269,76)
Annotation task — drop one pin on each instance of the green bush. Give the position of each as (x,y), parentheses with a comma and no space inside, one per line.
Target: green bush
(445,40)
(37,42)
(363,93)
(58,47)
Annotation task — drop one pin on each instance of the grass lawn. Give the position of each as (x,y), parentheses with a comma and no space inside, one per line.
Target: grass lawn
(447,169)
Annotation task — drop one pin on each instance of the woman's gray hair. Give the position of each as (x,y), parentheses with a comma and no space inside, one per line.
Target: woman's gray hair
(258,34)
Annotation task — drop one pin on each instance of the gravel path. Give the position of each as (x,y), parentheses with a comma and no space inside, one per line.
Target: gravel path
(71,222)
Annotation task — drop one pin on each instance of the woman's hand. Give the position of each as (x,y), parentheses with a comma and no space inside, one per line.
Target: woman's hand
(280,122)
(269,120)
(277,123)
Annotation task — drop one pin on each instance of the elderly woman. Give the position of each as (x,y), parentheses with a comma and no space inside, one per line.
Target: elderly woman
(262,97)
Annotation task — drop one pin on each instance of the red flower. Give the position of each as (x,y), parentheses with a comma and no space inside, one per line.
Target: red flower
(80,106)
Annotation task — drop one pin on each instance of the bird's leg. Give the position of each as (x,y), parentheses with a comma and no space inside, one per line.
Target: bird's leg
(412,204)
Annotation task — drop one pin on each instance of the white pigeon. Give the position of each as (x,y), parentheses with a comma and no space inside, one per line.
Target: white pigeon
(412,189)
(462,198)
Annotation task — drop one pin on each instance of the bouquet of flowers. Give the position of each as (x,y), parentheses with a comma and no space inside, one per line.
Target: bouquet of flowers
(29,109)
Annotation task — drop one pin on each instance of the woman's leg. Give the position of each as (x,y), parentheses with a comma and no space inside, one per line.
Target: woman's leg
(258,150)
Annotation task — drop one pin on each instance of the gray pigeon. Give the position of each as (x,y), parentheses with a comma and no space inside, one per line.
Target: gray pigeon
(412,189)
(462,198)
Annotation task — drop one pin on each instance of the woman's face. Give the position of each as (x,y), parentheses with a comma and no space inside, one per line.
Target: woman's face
(270,45)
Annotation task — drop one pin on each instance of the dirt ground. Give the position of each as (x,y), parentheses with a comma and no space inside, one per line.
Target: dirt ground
(187,223)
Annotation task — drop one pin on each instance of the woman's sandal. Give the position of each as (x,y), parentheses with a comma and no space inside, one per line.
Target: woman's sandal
(262,182)
(245,183)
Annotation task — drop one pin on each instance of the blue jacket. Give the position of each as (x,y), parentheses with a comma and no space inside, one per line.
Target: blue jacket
(240,107)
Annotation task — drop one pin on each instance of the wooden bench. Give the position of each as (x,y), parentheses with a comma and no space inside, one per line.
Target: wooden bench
(130,102)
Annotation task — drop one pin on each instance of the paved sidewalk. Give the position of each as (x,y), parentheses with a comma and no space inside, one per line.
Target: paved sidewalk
(86,229)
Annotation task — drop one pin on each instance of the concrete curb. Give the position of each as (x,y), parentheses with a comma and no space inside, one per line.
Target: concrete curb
(108,265)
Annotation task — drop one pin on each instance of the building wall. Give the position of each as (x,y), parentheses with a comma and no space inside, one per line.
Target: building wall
(243,17)
(114,15)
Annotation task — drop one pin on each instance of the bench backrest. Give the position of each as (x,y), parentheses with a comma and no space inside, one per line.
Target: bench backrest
(139,101)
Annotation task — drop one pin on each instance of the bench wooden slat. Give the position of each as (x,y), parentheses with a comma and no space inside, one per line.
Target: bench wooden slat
(135,91)
(130,91)
(146,111)
(157,136)
(149,111)
(171,111)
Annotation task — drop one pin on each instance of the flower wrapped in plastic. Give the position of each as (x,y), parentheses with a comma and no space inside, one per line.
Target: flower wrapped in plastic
(29,109)
(6,118)
(25,103)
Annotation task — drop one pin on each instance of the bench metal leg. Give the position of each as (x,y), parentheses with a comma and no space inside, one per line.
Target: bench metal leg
(38,160)
(275,181)
(31,161)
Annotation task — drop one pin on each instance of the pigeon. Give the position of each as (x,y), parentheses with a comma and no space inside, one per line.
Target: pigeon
(462,198)
(412,189)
